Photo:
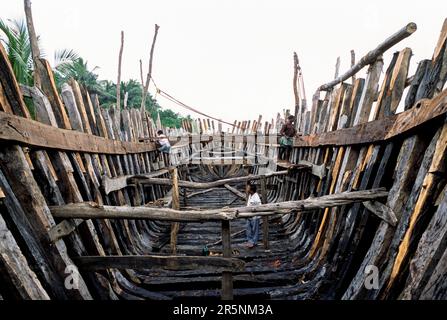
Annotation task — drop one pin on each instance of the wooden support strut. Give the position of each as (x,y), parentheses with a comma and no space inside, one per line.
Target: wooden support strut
(371,56)
(146,262)
(89,210)
(383,129)
(265,220)
(227,277)
(175,226)
(208,185)
(118,183)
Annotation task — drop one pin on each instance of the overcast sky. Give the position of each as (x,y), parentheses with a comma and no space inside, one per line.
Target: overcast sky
(231,59)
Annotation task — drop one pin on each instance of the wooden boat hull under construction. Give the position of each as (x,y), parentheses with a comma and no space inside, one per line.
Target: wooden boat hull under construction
(358,211)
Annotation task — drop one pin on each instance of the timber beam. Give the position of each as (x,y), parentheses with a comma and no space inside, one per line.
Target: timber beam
(88,210)
(172,263)
(16,129)
(207,185)
(383,129)
(119,183)
(373,55)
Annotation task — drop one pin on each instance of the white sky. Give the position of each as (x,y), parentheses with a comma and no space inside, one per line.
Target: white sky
(231,59)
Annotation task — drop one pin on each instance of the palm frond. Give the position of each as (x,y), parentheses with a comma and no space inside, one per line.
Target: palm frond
(64,56)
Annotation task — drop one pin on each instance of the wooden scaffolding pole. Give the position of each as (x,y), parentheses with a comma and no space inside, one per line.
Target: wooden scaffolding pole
(94,211)
(118,82)
(149,74)
(35,50)
(175,226)
(265,220)
(372,56)
(227,277)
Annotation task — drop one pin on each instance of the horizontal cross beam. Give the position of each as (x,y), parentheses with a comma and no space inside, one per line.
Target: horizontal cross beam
(207,185)
(174,263)
(88,210)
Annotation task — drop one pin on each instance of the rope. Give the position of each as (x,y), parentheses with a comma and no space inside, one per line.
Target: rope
(181,104)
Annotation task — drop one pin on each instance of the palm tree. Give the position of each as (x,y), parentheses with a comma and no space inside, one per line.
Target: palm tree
(18,47)
(69,65)
(74,67)
(63,59)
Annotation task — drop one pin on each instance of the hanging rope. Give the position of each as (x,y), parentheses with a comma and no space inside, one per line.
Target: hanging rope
(181,104)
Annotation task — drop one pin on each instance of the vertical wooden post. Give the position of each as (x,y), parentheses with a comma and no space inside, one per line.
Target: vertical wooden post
(256,148)
(265,220)
(185,198)
(352,65)
(118,82)
(176,206)
(227,277)
(295,90)
(149,74)
(35,50)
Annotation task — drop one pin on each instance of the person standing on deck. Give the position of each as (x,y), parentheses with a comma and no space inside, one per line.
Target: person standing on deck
(287,133)
(163,145)
(252,227)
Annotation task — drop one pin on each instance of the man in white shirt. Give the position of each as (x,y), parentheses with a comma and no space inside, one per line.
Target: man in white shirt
(164,145)
(252,227)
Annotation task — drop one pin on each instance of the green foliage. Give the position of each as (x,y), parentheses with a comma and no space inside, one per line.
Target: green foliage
(134,89)
(68,65)
(76,68)
(16,41)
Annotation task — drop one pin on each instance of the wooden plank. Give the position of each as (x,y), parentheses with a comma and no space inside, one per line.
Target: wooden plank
(227,277)
(437,284)
(146,262)
(382,211)
(118,183)
(49,89)
(20,130)
(94,211)
(428,253)
(372,56)
(11,99)
(428,194)
(42,106)
(393,84)
(409,156)
(14,265)
(17,171)
(210,185)
(27,191)
(38,255)
(410,100)
(72,107)
(235,191)
(383,129)
(198,193)
(436,74)
(175,226)
(369,92)
(265,220)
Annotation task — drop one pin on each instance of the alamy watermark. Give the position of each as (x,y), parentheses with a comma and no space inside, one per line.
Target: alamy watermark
(72,279)
(372,277)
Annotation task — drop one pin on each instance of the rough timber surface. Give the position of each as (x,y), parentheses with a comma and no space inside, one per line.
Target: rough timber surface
(82,186)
